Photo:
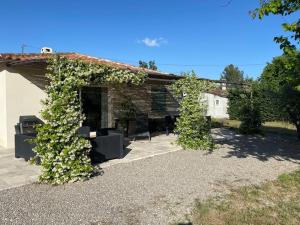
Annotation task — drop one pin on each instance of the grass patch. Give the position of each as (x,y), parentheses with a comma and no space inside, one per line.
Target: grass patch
(274,126)
(275,202)
(279,127)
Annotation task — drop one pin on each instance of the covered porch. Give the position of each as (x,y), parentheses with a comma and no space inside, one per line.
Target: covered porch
(85,92)
(26,73)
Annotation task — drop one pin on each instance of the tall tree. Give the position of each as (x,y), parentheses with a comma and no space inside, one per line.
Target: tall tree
(150,65)
(283,8)
(244,104)
(282,77)
(143,64)
(232,74)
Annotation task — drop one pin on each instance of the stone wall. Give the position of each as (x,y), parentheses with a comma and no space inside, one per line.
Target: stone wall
(146,99)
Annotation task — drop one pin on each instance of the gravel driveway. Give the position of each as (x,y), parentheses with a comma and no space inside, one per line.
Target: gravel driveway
(155,190)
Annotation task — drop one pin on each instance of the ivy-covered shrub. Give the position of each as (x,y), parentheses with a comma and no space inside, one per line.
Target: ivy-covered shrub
(63,154)
(192,125)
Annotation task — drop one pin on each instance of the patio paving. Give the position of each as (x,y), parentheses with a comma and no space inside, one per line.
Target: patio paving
(142,149)
(17,172)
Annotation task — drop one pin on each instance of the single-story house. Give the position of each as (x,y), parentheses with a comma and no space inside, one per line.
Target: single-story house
(217,103)
(23,81)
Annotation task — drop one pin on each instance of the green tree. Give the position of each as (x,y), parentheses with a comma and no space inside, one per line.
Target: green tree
(245,105)
(250,110)
(234,99)
(282,77)
(192,125)
(283,8)
(150,65)
(143,64)
(283,74)
(232,74)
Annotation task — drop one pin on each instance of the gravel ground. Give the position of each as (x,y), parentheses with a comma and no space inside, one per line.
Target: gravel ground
(155,190)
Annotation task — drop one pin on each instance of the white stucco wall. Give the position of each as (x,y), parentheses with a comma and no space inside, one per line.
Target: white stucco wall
(217,106)
(3,130)
(22,98)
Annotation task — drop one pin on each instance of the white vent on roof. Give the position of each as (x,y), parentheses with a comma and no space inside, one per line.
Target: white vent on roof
(46,50)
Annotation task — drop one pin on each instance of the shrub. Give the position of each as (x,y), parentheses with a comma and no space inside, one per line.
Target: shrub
(192,126)
(245,105)
(250,119)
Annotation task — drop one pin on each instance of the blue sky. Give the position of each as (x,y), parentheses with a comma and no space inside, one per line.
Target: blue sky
(179,35)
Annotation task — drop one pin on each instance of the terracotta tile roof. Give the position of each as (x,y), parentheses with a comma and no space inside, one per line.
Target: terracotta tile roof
(33,57)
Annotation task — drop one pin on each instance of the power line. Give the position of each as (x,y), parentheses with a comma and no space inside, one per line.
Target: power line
(211,65)
(190,65)
(24,46)
(226,4)
(136,62)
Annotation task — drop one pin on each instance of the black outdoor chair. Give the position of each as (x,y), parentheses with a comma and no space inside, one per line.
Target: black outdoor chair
(25,132)
(139,127)
(108,143)
(23,147)
(107,147)
(170,124)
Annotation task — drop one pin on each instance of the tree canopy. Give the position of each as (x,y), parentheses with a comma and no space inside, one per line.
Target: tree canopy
(245,105)
(150,65)
(283,8)
(232,74)
(282,78)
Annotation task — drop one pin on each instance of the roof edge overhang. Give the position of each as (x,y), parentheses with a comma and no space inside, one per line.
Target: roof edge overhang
(32,59)
(151,74)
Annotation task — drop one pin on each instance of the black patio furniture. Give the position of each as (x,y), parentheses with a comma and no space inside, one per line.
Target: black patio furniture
(84,131)
(170,124)
(23,147)
(157,124)
(106,147)
(25,132)
(163,124)
(139,127)
(108,143)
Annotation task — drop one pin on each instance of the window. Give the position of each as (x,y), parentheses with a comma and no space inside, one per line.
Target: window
(158,99)
(217,102)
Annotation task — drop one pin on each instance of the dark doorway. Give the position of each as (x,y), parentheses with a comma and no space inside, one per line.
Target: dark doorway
(94,107)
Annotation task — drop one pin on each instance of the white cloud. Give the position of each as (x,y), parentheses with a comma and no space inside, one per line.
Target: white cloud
(155,42)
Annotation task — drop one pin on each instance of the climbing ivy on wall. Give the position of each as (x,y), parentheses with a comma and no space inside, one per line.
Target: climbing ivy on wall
(64,156)
(192,125)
